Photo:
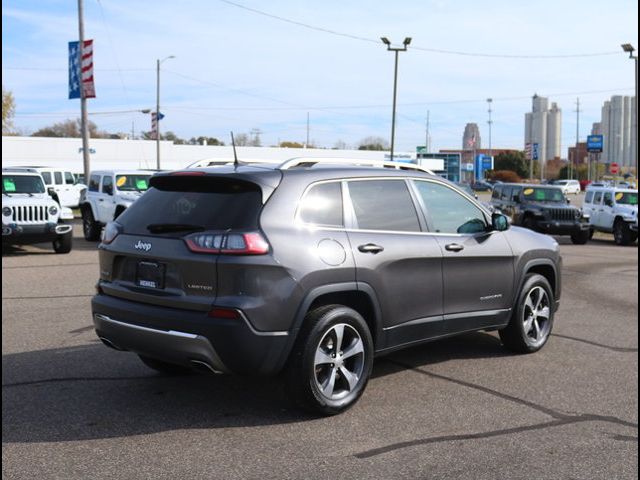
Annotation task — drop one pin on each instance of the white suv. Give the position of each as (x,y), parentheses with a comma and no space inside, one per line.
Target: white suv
(63,182)
(568,186)
(110,192)
(30,215)
(613,210)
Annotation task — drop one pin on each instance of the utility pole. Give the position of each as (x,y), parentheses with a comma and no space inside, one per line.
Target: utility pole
(306,145)
(490,122)
(84,120)
(427,146)
(571,166)
(158,114)
(133,130)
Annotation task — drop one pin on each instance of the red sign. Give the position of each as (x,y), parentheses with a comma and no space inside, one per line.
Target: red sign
(614,168)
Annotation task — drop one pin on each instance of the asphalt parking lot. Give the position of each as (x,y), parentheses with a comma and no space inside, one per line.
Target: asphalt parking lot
(458,408)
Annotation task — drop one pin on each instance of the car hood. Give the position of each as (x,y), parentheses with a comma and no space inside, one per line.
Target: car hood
(25,199)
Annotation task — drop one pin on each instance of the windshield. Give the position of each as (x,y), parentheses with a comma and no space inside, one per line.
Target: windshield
(537,194)
(132,183)
(22,184)
(627,198)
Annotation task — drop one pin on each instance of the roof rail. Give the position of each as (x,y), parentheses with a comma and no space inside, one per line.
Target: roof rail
(310,161)
(220,162)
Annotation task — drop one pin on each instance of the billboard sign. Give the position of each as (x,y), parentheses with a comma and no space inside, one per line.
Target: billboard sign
(535,151)
(595,143)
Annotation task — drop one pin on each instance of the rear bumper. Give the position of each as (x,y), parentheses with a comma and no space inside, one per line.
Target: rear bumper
(189,338)
(25,234)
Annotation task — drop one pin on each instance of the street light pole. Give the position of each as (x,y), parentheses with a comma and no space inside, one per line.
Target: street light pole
(490,122)
(405,43)
(627,47)
(84,119)
(158,62)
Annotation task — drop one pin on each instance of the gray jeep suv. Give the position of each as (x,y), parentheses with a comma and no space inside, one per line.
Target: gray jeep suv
(312,268)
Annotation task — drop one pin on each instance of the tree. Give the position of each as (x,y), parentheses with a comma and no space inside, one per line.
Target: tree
(241,140)
(291,145)
(514,161)
(70,129)
(201,140)
(340,145)
(373,143)
(508,176)
(8,111)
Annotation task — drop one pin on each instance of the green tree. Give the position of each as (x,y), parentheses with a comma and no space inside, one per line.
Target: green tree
(373,143)
(514,161)
(8,111)
(291,145)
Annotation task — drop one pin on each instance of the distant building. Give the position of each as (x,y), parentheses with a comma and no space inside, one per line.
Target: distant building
(580,155)
(596,128)
(451,167)
(619,130)
(471,138)
(543,126)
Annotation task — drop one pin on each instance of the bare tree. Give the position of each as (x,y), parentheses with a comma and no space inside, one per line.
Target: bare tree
(8,111)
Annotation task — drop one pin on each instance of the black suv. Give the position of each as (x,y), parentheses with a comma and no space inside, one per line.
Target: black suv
(313,268)
(542,208)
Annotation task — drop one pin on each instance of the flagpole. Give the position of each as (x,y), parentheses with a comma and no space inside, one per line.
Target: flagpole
(84,120)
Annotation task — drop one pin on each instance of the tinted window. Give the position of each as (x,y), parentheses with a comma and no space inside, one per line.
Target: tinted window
(107,184)
(383,205)
(449,211)
(627,198)
(22,184)
(515,194)
(94,183)
(322,205)
(598,198)
(541,194)
(506,193)
(68,178)
(209,203)
(46,176)
(608,198)
(58,178)
(589,197)
(497,191)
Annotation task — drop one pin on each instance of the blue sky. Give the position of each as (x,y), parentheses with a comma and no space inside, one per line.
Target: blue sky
(236,69)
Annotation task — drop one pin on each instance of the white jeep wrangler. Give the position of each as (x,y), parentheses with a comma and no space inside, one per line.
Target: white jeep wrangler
(613,210)
(30,214)
(110,192)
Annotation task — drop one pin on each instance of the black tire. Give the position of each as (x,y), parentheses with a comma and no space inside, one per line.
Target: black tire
(591,233)
(529,222)
(318,337)
(581,237)
(63,243)
(516,336)
(622,234)
(90,228)
(118,212)
(164,367)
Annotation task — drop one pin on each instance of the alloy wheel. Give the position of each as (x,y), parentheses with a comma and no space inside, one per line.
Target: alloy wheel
(536,316)
(339,361)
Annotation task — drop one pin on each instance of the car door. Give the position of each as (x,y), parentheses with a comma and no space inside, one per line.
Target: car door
(395,258)
(106,200)
(607,210)
(478,263)
(597,210)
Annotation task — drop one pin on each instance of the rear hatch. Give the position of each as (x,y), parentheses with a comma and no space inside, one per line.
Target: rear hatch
(163,250)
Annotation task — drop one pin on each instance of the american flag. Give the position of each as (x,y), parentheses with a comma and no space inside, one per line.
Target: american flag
(527,150)
(81,70)
(154,124)
(472,140)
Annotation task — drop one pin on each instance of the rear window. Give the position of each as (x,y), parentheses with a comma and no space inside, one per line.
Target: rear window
(132,183)
(207,202)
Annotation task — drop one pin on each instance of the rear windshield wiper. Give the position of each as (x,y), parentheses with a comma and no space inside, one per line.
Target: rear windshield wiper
(174,227)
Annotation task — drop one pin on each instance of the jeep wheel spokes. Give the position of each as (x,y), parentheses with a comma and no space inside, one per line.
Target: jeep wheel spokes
(536,313)
(339,361)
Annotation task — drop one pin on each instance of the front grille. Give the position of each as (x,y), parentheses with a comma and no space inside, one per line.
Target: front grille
(562,214)
(30,214)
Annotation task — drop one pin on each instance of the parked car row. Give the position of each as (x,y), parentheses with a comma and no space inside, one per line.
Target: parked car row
(545,208)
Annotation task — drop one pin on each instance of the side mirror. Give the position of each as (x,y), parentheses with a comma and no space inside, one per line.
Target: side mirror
(499,222)
(568,201)
(52,192)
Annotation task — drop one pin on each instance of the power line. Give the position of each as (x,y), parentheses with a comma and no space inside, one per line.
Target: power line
(424,49)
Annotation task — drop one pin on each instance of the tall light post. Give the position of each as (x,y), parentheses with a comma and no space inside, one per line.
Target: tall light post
(158,62)
(490,122)
(405,44)
(627,47)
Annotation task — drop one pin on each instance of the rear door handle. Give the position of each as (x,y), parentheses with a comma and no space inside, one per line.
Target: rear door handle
(454,247)
(370,248)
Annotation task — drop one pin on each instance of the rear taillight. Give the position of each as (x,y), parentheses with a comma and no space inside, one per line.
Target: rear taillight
(221,312)
(110,232)
(252,243)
